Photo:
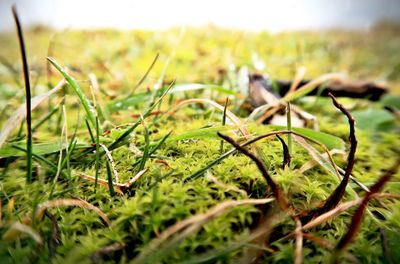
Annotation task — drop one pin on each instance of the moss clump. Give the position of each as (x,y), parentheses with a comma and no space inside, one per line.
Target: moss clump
(166,194)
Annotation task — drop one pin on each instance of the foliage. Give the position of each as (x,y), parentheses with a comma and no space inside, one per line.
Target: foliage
(136,121)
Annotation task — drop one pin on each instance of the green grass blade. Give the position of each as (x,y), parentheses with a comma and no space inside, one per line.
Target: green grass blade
(87,105)
(146,74)
(42,159)
(110,180)
(221,146)
(131,101)
(289,128)
(90,131)
(159,143)
(97,164)
(202,133)
(201,171)
(330,141)
(121,138)
(146,155)
(39,148)
(199,86)
(45,118)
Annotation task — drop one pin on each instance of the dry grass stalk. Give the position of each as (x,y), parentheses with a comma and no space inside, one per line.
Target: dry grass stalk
(184,228)
(69,202)
(111,160)
(298,259)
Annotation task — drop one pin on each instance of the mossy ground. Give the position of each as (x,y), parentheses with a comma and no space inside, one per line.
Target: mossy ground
(165,195)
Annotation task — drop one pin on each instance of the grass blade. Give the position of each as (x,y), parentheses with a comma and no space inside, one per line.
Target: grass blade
(28,96)
(330,141)
(289,127)
(229,114)
(221,147)
(43,160)
(87,105)
(45,118)
(305,89)
(202,133)
(19,114)
(121,138)
(110,180)
(97,164)
(199,86)
(145,75)
(146,155)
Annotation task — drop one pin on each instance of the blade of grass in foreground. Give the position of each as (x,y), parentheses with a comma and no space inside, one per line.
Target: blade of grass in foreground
(44,148)
(87,105)
(28,97)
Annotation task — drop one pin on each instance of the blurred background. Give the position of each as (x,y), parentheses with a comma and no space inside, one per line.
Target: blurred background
(203,41)
(254,15)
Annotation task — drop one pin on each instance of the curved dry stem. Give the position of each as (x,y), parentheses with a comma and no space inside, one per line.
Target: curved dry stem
(184,228)
(284,132)
(298,259)
(69,202)
(286,155)
(17,228)
(358,215)
(305,89)
(334,199)
(279,195)
(297,79)
(337,211)
(111,160)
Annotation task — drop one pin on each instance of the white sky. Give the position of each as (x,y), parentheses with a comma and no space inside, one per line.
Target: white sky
(271,15)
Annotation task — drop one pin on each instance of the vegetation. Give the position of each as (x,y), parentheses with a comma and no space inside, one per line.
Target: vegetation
(127,165)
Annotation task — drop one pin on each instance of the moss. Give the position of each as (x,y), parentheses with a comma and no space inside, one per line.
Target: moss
(165,194)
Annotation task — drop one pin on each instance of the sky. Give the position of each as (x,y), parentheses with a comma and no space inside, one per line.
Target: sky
(254,15)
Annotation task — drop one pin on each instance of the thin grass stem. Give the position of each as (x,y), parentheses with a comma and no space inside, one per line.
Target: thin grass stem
(28,96)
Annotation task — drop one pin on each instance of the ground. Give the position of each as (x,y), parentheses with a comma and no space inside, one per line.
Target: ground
(88,222)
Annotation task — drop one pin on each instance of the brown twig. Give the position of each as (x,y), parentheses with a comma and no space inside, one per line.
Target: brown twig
(120,188)
(279,195)
(333,200)
(299,242)
(385,247)
(357,217)
(328,245)
(54,239)
(286,155)
(97,256)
